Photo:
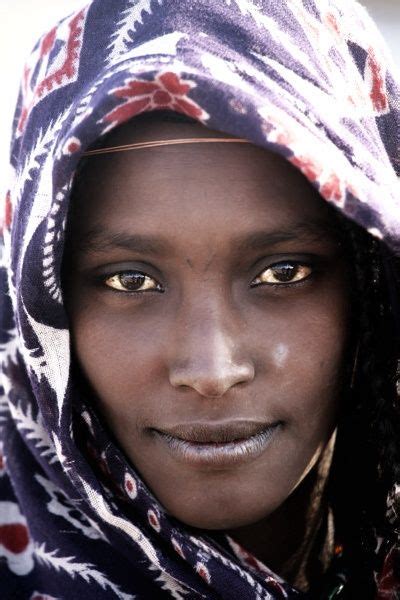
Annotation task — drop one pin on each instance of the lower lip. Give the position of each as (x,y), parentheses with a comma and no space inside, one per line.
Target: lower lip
(219,454)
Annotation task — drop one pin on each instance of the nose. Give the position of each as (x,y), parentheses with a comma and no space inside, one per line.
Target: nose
(210,361)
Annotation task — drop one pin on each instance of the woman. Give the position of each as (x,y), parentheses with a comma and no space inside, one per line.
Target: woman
(199,353)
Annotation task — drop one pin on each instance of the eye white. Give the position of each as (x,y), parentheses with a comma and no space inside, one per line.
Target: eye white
(131,282)
(282,273)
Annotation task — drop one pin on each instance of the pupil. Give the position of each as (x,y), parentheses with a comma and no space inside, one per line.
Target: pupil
(132,280)
(285,272)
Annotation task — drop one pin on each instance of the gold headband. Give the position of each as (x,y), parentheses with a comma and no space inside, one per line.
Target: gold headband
(155,143)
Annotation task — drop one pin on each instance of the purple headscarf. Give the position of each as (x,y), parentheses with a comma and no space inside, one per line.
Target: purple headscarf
(309,79)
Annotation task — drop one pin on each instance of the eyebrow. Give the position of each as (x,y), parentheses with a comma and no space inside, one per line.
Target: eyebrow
(97,240)
(313,230)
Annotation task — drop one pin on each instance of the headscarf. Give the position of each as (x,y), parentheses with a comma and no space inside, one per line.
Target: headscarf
(311,80)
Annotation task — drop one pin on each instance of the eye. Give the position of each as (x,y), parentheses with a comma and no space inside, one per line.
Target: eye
(132,281)
(283,273)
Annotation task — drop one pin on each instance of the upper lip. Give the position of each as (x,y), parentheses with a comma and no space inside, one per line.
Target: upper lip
(216,432)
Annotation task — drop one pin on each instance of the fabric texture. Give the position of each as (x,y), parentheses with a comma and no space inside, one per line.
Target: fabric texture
(309,79)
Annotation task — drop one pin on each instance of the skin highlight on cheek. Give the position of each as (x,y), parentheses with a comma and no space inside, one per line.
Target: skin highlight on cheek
(280,355)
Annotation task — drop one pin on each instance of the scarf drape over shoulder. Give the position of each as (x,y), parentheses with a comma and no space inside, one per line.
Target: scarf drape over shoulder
(311,80)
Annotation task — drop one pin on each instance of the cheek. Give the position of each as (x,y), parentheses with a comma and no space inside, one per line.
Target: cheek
(301,354)
(119,355)
(306,361)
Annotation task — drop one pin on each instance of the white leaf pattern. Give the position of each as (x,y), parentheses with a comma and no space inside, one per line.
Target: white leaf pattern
(34,430)
(130,17)
(74,568)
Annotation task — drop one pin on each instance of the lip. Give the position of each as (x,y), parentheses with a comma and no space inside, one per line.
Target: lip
(218,444)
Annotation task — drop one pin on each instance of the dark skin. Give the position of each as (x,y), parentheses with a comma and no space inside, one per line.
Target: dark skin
(209,332)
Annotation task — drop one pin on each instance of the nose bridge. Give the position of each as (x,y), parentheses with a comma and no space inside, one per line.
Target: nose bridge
(210,355)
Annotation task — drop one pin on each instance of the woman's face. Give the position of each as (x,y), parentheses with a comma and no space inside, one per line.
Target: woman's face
(208,302)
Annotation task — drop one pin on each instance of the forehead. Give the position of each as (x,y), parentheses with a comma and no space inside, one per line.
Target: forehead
(203,183)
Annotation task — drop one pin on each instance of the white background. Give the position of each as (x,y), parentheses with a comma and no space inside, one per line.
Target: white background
(23,21)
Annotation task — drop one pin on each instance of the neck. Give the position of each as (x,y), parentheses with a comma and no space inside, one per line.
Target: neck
(301,530)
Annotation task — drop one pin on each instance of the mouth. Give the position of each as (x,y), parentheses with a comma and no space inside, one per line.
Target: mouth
(218,444)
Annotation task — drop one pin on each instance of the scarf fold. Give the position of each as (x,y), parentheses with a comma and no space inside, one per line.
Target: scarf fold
(311,80)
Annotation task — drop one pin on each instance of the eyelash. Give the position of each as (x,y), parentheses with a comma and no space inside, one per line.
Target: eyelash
(285,264)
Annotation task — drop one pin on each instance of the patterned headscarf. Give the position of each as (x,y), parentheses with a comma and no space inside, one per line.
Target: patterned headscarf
(309,79)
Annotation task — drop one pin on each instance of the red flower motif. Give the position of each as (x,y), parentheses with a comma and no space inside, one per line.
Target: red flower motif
(332,189)
(15,543)
(14,537)
(153,520)
(332,22)
(376,77)
(72,145)
(203,572)
(8,211)
(331,186)
(69,66)
(177,547)
(48,42)
(130,486)
(167,91)
(65,66)
(307,166)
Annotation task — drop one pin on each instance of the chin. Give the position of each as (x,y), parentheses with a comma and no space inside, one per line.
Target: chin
(222,517)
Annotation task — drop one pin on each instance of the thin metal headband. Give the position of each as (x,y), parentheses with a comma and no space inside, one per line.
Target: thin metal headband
(155,143)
